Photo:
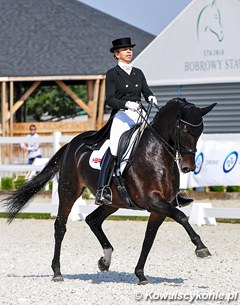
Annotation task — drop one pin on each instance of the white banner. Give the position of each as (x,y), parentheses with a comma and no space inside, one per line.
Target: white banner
(201,45)
(217,163)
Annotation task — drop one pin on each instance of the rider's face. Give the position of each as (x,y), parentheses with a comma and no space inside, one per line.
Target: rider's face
(124,55)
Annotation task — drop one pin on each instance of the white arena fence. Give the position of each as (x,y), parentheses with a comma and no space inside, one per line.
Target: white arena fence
(199,213)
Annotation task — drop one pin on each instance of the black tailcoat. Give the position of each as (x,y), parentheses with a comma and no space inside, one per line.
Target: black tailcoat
(120,88)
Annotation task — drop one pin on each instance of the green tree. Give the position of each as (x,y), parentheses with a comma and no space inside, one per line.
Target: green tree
(53,103)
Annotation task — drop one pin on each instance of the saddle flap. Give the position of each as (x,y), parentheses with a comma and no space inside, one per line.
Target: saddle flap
(126,146)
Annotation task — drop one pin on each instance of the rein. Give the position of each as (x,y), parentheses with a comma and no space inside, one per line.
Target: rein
(171,150)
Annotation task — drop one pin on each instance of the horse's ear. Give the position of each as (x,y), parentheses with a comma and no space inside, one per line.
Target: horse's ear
(206,109)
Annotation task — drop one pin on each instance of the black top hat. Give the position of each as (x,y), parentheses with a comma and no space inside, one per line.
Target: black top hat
(121,43)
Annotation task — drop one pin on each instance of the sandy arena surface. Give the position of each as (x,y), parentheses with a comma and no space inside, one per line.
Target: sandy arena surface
(172,267)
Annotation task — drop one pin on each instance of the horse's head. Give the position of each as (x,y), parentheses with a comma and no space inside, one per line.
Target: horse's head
(186,132)
(209,21)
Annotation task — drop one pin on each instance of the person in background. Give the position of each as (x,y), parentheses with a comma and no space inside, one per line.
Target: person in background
(32,148)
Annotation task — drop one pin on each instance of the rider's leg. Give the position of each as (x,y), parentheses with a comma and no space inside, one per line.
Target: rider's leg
(104,192)
(123,121)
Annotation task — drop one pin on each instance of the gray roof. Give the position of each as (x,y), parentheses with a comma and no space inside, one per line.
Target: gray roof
(60,37)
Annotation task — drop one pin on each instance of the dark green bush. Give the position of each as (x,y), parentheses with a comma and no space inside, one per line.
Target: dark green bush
(19,182)
(233,188)
(7,183)
(217,188)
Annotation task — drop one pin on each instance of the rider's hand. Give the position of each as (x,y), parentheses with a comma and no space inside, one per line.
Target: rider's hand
(132,105)
(153,100)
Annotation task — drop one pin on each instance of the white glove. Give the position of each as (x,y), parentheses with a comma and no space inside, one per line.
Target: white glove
(132,105)
(152,99)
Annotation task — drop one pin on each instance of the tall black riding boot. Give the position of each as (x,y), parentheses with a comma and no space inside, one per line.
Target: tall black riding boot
(104,193)
(183,201)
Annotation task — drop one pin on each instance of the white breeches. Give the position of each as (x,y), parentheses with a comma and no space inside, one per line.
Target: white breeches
(122,121)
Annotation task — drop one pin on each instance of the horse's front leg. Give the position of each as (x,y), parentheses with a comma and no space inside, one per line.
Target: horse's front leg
(201,250)
(154,222)
(95,220)
(164,208)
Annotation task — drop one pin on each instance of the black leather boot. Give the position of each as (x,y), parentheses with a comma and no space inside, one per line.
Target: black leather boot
(104,192)
(183,201)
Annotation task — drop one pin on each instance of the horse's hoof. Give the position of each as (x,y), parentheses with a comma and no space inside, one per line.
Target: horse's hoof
(203,253)
(103,265)
(58,278)
(143,282)
(142,279)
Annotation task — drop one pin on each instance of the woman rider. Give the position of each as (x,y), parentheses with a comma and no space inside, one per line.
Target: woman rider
(124,86)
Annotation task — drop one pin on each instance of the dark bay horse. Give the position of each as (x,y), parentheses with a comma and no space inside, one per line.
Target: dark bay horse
(152,181)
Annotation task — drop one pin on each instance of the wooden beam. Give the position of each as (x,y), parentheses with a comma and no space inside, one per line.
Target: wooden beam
(101,104)
(19,103)
(94,104)
(73,95)
(50,78)
(4,101)
(47,128)
(90,87)
(11,107)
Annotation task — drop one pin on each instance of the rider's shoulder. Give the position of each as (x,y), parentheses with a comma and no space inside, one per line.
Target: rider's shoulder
(137,70)
(111,71)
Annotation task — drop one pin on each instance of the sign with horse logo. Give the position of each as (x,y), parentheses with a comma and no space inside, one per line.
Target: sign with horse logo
(200,46)
(209,21)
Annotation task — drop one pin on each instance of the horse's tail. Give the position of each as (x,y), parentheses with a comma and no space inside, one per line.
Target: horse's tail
(17,199)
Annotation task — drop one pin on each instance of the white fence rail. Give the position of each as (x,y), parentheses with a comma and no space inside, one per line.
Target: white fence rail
(56,140)
(199,213)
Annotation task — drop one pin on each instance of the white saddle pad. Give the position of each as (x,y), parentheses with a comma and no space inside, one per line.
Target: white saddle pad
(97,155)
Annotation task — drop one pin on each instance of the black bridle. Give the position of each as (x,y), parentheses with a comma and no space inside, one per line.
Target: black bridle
(176,139)
(177,149)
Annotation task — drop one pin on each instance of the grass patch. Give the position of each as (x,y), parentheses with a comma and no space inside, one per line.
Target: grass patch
(30,215)
(227,220)
(137,218)
(117,218)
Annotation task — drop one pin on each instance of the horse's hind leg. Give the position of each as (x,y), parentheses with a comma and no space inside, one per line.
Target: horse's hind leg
(65,205)
(154,222)
(95,220)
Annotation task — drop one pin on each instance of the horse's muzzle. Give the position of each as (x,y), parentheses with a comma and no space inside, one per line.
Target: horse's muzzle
(187,163)
(187,169)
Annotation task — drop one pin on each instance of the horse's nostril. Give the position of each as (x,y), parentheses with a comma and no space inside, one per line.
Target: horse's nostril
(185,169)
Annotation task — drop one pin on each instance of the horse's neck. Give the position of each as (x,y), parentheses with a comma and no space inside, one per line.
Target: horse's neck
(164,122)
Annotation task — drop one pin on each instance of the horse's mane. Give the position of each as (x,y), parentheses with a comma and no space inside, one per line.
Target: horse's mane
(180,100)
(175,102)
